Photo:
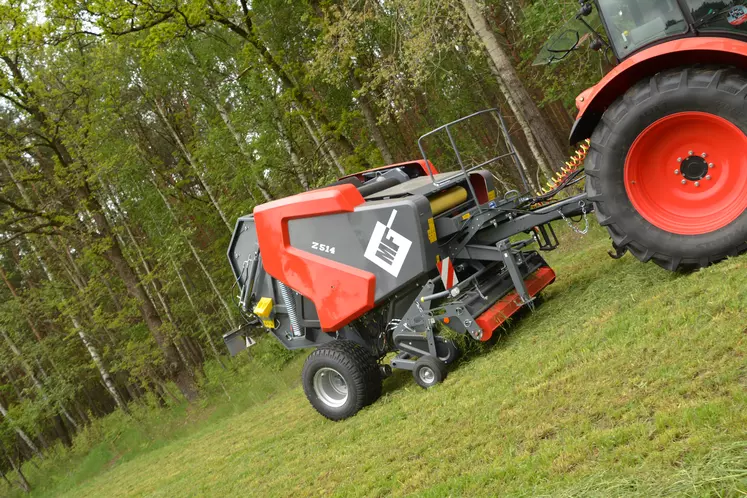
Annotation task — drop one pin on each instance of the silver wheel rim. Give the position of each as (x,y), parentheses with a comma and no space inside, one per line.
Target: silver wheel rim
(427,375)
(330,387)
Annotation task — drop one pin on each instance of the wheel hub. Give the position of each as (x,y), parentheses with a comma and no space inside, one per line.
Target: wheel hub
(694,168)
(708,156)
(427,375)
(330,387)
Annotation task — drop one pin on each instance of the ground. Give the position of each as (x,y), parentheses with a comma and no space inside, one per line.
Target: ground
(626,381)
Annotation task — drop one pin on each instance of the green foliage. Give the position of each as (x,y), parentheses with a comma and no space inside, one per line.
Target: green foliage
(271,354)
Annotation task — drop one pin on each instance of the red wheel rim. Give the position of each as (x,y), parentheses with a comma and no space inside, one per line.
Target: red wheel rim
(687,173)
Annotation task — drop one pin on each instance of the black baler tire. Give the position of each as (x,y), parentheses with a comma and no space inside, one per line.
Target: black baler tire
(356,365)
(371,367)
(714,90)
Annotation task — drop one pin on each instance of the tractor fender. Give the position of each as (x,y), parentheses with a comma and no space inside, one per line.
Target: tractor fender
(593,101)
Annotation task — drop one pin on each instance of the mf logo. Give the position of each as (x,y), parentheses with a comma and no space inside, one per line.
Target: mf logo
(387,249)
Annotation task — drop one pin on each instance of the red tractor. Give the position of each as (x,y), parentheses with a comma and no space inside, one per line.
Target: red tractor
(667,170)
(376,266)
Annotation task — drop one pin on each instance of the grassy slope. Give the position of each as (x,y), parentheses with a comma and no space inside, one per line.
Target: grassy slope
(627,380)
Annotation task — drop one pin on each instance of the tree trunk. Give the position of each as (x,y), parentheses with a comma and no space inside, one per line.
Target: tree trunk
(29,321)
(231,319)
(225,116)
(191,161)
(322,146)
(535,127)
(197,313)
(34,379)
(21,433)
(371,121)
(320,151)
(22,482)
(288,145)
(103,372)
(175,369)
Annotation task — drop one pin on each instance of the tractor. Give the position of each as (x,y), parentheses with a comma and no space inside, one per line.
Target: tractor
(373,269)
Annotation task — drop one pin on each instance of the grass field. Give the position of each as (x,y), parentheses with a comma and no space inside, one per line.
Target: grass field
(627,381)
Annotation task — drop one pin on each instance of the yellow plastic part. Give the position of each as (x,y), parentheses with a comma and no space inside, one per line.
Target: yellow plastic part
(448,199)
(491,195)
(270,324)
(431,231)
(264,308)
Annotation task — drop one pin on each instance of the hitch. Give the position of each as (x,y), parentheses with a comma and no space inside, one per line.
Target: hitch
(619,251)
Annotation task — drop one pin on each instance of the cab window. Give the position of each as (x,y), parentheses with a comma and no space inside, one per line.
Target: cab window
(633,24)
(713,15)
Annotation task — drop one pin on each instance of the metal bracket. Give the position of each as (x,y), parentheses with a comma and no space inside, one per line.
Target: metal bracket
(507,254)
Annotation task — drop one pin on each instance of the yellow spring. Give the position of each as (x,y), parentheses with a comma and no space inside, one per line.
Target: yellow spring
(571,166)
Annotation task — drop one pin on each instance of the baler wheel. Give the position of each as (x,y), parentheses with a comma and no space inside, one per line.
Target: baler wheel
(667,169)
(340,378)
(429,371)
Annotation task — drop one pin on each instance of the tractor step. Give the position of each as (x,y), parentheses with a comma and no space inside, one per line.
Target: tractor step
(501,311)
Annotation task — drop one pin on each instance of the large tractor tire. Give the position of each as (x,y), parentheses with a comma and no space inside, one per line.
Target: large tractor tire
(667,169)
(340,378)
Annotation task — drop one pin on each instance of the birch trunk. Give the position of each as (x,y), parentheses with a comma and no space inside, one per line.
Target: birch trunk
(322,146)
(34,379)
(21,433)
(295,161)
(22,483)
(92,351)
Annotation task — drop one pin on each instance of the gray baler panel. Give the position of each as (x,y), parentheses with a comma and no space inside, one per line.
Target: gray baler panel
(388,238)
(243,247)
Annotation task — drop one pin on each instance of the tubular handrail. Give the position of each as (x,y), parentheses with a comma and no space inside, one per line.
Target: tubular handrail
(464,173)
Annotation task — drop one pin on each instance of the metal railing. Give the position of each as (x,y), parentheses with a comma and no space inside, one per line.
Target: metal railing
(464,173)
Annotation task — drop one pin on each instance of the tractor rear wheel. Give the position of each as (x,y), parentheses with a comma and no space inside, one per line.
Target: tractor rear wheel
(340,378)
(667,169)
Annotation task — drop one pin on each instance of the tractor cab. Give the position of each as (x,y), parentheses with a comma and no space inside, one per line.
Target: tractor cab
(631,25)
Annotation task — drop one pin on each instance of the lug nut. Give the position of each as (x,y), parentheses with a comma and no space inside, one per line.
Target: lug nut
(690,153)
(684,182)
(697,184)
(704,155)
(679,159)
(711,165)
(708,177)
(676,172)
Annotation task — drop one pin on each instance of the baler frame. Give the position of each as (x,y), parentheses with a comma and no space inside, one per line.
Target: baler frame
(471,238)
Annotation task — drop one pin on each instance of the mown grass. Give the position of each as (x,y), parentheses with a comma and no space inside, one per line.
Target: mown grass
(627,381)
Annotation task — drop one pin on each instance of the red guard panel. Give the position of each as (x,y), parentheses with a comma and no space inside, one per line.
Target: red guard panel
(701,49)
(501,311)
(340,292)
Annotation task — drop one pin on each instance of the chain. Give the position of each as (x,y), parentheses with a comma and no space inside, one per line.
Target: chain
(570,223)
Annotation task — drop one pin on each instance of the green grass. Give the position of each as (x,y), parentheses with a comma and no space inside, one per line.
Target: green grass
(627,381)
